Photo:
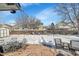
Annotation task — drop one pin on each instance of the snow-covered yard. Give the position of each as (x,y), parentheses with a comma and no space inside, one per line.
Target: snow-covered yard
(36,39)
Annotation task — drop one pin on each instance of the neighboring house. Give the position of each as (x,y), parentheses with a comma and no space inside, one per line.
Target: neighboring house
(4,32)
(67,26)
(6,26)
(41,27)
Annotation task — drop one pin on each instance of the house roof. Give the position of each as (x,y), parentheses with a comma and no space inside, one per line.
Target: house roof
(5,26)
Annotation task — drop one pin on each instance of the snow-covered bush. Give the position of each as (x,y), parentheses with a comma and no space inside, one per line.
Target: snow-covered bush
(16,44)
(12,45)
(23,43)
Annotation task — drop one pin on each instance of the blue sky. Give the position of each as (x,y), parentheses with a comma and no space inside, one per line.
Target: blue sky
(43,11)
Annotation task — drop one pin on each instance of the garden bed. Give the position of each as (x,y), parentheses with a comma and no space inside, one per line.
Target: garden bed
(33,50)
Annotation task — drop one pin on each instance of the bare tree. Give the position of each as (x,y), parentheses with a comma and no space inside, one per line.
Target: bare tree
(26,21)
(69,12)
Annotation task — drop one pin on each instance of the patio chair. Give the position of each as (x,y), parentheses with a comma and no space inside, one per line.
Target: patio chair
(58,43)
(74,46)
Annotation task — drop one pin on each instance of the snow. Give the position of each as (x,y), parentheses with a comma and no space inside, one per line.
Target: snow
(37,39)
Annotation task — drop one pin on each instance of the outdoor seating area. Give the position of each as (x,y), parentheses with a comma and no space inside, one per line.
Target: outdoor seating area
(72,47)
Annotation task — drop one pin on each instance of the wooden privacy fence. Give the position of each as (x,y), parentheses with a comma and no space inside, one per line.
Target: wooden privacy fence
(44,32)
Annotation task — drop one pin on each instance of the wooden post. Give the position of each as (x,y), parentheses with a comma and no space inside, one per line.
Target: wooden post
(78,24)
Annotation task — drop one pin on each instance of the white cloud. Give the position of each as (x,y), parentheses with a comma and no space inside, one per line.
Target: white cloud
(11,22)
(46,15)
